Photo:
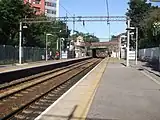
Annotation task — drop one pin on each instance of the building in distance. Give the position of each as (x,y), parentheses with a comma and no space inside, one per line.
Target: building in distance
(48,7)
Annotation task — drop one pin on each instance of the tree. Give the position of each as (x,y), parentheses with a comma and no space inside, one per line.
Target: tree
(86,36)
(140,12)
(36,33)
(11,12)
(137,11)
(113,37)
(152,30)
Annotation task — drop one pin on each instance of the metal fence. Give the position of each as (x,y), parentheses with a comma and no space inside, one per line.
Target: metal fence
(9,54)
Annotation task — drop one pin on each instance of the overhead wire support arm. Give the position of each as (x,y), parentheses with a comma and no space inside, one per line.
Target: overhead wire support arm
(77,19)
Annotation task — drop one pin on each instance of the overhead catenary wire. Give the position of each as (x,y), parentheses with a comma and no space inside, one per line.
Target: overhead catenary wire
(108,23)
(72,16)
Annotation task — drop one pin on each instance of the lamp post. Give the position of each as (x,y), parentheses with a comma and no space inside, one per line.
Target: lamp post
(128,40)
(136,52)
(136,44)
(58,40)
(61,40)
(47,45)
(20,41)
(156,26)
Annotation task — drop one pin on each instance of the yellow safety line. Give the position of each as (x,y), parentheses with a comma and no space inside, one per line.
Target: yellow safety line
(86,100)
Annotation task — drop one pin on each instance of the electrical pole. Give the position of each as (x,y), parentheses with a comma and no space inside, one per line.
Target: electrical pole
(120,48)
(73,23)
(66,22)
(57,43)
(20,42)
(136,43)
(109,32)
(57,9)
(128,40)
(46,47)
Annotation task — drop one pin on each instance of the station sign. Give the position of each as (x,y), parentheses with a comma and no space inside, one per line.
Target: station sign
(64,54)
(132,55)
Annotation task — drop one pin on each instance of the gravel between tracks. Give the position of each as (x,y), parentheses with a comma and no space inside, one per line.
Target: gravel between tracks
(14,102)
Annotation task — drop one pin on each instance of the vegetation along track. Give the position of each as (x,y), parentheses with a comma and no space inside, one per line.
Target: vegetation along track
(39,96)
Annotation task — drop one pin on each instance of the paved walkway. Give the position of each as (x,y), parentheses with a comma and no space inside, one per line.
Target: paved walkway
(7,68)
(125,94)
(74,104)
(114,92)
(147,66)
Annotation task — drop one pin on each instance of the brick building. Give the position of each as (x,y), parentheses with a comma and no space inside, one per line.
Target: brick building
(48,7)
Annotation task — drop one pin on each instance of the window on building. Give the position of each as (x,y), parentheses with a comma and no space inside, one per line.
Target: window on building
(53,4)
(37,2)
(51,11)
(50,4)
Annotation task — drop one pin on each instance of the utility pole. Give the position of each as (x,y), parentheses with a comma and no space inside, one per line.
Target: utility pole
(120,48)
(66,22)
(57,43)
(128,40)
(109,32)
(20,42)
(57,9)
(136,43)
(73,23)
(46,47)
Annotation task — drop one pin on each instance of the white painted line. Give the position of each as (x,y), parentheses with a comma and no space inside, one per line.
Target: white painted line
(44,112)
(153,79)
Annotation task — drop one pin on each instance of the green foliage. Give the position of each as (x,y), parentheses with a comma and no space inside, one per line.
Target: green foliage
(143,16)
(113,37)
(86,36)
(12,11)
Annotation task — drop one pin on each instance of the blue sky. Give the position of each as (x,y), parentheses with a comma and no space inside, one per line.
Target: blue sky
(96,8)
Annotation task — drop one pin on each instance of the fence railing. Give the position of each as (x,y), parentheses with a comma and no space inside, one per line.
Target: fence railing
(9,54)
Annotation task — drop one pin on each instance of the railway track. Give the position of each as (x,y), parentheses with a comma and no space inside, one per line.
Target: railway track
(19,84)
(27,99)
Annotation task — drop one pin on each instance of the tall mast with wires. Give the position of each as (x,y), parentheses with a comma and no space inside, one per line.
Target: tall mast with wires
(57,8)
(74,24)
(108,23)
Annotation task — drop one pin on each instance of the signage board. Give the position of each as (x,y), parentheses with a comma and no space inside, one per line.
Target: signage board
(64,54)
(132,55)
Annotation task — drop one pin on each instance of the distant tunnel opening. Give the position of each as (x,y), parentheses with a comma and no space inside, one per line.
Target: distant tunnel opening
(99,53)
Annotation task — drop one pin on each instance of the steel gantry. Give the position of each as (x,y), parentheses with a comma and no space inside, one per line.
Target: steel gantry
(76,19)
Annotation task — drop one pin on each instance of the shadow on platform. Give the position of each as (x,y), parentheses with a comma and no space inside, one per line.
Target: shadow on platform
(71,117)
(153,65)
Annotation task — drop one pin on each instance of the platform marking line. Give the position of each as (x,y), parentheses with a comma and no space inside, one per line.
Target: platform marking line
(52,105)
(86,98)
(153,79)
(90,101)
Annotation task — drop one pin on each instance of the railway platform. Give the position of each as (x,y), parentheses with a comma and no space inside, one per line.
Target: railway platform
(110,91)
(10,68)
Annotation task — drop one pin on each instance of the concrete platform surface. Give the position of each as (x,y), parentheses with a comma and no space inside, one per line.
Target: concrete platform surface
(8,68)
(125,93)
(74,104)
